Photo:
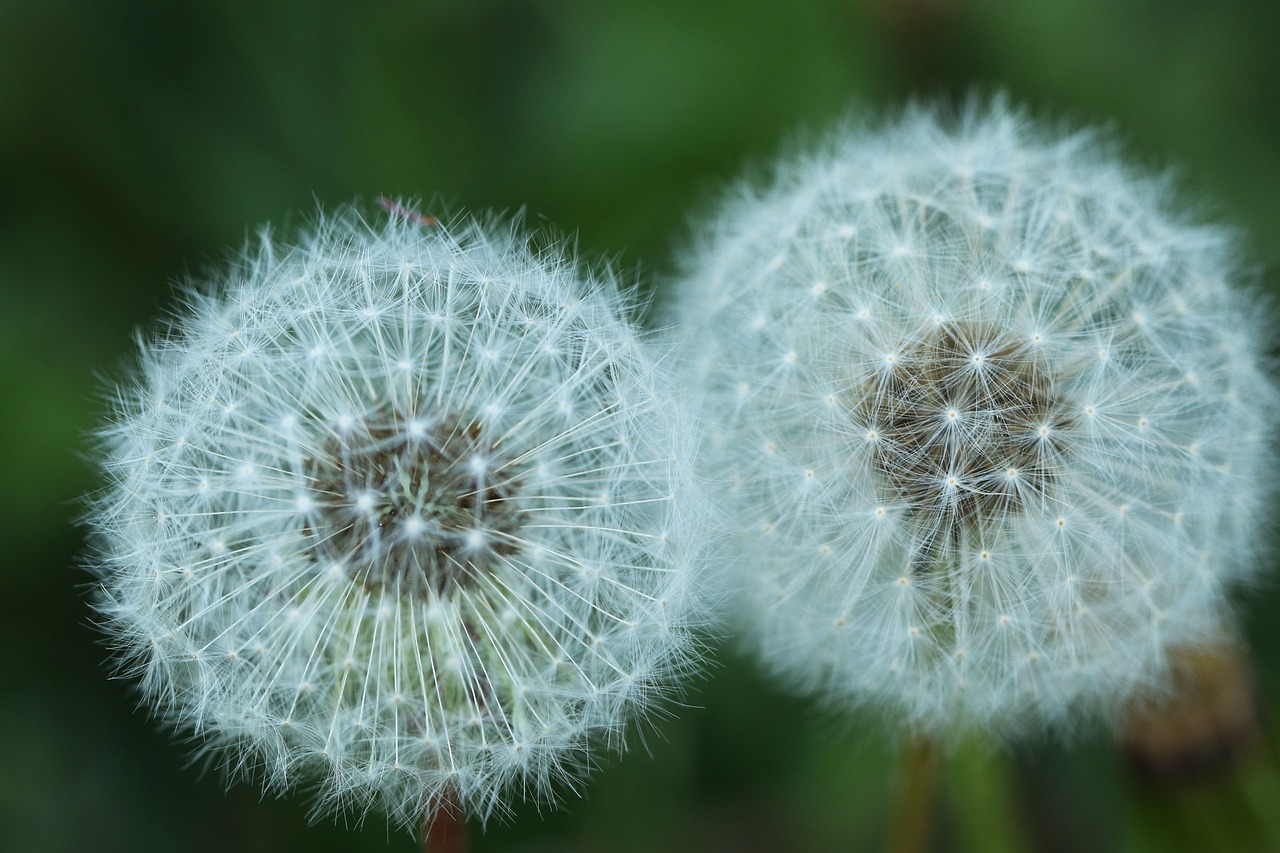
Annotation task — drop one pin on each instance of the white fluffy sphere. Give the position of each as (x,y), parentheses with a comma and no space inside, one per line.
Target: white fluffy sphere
(991,420)
(400,509)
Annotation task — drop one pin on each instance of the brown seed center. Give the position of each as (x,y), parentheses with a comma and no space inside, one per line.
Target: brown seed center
(413,506)
(964,426)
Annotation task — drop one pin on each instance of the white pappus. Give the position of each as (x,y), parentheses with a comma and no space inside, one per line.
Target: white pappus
(401,511)
(990,417)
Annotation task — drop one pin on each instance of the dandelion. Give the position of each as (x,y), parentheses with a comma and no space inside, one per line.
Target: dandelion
(990,419)
(400,511)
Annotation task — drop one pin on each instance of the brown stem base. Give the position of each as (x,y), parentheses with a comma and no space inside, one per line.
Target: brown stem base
(445,829)
(916,797)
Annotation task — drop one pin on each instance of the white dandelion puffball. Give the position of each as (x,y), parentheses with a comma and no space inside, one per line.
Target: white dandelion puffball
(989,419)
(400,511)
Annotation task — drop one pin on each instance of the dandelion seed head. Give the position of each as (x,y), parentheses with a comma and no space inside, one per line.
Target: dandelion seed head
(428,538)
(1074,462)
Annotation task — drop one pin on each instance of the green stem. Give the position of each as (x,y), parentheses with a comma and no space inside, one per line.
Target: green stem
(982,795)
(1261,788)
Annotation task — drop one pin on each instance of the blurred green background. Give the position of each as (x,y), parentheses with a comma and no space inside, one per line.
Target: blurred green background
(139,139)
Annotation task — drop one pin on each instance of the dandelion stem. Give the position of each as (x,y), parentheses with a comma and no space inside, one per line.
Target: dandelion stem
(916,797)
(445,828)
(981,796)
(1260,785)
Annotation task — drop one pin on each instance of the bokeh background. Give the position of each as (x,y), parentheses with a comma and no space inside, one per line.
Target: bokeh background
(139,139)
